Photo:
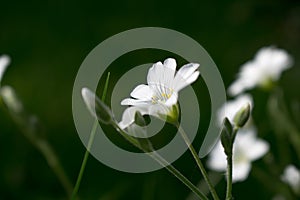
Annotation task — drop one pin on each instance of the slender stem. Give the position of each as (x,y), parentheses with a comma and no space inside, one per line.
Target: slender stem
(46,150)
(55,165)
(90,142)
(229,177)
(105,87)
(86,155)
(198,161)
(163,162)
(178,175)
(229,166)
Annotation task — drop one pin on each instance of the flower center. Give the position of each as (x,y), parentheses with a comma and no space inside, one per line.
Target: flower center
(162,95)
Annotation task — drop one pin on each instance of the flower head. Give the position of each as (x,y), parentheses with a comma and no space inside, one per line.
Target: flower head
(265,68)
(291,176)
(159,97)
(4,62)
(246,148)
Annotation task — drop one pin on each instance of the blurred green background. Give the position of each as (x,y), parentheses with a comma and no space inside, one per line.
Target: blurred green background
(48,40)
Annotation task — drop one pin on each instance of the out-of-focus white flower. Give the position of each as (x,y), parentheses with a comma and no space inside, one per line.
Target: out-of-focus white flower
(291,176)
(4,62)
(265,68)
(246,148)
(160,96)
(230,108)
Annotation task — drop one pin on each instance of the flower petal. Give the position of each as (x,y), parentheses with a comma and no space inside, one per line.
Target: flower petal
(170,63)
(217,158)
(155,73)
(133,102)
(142,92)
(185,76)
(187,70)
(172,100)
(240,171)
(161,76)
(129,114)
(258,149)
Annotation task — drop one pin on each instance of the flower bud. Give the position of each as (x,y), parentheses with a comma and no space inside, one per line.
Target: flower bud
(96,107)
(227,136)
(242,116)
(11,100)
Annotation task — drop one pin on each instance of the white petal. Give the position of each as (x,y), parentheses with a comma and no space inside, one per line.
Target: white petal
(159,109)
(217,158)
(155,73)
(236,88)
(291,176)
(258,149)
(172,100)
(133,102)
(161,76)
(240,171)
(193,77)
(170,63)
(185,76)
(129,114)
(186,70)
(4,62)
(142,92)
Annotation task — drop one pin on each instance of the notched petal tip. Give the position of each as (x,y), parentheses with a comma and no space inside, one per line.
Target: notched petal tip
(170,63)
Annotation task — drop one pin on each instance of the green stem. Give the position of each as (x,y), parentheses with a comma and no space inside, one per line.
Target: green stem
(229,178)
(46,150)
(85,158)
(198,161)
(90,142)
(178,175)
(163,162)
(54,164)
(229,166)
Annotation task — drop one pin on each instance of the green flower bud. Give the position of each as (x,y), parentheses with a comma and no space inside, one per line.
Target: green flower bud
(227,136)
(97,107)
(242,116)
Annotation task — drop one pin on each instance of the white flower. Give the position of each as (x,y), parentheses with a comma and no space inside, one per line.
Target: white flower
(230,108)
(267,66)
(291,176)
(161,94)
(4,62)
(246,148)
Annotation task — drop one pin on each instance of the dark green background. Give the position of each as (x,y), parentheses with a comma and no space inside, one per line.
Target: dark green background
(48,40)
